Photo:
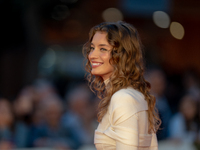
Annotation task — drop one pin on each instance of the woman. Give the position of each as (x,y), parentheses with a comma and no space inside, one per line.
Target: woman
(127,116)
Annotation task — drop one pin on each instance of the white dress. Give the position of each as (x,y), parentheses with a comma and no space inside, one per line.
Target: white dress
(125,125)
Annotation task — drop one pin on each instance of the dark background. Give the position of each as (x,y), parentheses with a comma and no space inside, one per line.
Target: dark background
(29,28)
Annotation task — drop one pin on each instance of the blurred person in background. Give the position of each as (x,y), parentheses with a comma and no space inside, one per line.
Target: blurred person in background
(158,86)
(23,109)
(37,116)
(80,114)
(191,84)
(42,89)
(7,141)
(197,138)
(183,126)
(51,133)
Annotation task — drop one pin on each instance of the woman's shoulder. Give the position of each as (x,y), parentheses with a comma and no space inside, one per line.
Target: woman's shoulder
(128,93)
(129,96)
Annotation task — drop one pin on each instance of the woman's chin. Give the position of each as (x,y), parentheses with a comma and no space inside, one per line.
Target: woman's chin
(96,74)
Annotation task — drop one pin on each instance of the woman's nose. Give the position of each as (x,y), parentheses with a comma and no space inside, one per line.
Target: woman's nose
(93,54)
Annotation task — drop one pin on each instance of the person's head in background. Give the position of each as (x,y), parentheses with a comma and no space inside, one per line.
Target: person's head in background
(191,83)
(6,125)
(79,98)
(53,109)
(6,114)
(158,82)
(188,107)
(43,88)
(23,106)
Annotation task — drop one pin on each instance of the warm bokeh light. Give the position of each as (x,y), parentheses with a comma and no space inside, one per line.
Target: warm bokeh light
(161,19)
(177,30)
(112,15)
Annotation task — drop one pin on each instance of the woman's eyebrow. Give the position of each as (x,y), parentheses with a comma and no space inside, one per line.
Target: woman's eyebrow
(104,45)
(100,45)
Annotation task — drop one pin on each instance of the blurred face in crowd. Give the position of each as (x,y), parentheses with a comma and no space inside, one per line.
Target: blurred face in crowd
(6,145)
(53,112)
(100,54)
(23,105)
(157,81)
(6,116)
(53,115)
(79,99)
(188,107)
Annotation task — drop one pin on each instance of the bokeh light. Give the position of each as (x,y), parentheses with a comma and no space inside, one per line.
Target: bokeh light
(48,59)
(112,15)
(161,19)
(177,30)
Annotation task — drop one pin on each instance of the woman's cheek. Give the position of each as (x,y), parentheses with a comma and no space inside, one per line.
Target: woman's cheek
(105,56)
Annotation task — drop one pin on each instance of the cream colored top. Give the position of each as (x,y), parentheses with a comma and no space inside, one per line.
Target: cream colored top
(125,125)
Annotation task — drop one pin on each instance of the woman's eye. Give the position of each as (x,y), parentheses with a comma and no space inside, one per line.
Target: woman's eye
(103,49)
(91,48)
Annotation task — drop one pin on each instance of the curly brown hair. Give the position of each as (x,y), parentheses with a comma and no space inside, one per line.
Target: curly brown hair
(127,61)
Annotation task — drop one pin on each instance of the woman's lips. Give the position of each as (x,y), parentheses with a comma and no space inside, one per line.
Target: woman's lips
(96,64)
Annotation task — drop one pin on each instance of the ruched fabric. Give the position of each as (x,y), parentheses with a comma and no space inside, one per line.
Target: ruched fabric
(125,125)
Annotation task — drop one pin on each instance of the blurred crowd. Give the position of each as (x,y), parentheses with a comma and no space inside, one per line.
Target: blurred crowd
(178,104)
(40,117)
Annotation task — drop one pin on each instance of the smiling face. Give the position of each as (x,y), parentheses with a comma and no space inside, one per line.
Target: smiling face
(100,55)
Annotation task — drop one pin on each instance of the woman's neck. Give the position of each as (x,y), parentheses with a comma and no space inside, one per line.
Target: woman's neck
(106,81)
